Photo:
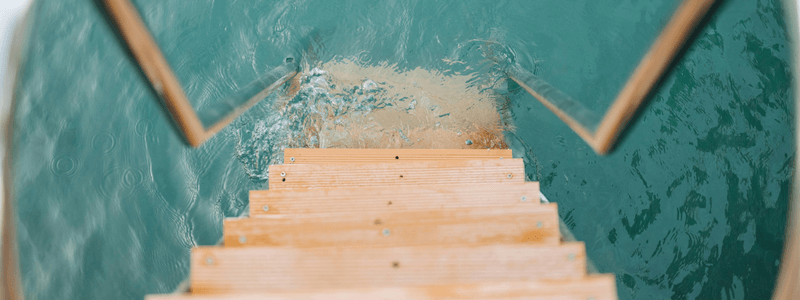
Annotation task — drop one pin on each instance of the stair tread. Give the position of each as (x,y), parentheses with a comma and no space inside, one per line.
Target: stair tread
(218,269)
(598,287)
(488,225)
(396,174)
(372,199)
(395,224)
(348,156)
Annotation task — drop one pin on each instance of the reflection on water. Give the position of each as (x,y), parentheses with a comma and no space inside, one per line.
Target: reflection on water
(691,205)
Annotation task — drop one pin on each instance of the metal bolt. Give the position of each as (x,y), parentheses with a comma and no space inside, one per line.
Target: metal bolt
(539,224)
(386,232)
(283,174)
(265,207)
(209,260)
(509,175)
(242,239)
(292,159)
(571,256)
(524,199)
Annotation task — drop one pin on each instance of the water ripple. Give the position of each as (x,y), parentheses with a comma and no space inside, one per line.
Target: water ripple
(64,165)
(104,142)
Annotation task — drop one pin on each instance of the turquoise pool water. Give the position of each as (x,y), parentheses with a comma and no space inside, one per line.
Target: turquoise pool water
(692,203)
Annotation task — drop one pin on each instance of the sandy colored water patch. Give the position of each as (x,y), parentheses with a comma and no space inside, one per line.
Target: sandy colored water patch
(342,104)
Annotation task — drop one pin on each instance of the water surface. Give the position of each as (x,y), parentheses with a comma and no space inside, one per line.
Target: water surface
(692,203)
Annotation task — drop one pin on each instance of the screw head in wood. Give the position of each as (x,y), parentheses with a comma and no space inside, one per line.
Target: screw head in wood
(539,224)
(291,159)
(386,232)
(524,199)
(283,174)
(242,239)
(509,175)
(209,260)
(265,207)
(571,256)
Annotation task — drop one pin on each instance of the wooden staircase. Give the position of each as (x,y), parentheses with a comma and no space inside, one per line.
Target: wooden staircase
(395,224)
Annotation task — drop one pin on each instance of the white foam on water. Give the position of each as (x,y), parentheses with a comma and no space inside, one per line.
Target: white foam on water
(347,104)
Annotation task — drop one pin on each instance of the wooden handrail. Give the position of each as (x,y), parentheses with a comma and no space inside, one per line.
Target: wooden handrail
(158,72)
(644,78)
(10,279)
(788,283)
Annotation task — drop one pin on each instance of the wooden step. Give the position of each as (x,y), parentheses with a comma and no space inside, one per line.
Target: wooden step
(396,174)
(379,199)
(396,224)
(597,287)
(479,226)
(359,156)
(268,269)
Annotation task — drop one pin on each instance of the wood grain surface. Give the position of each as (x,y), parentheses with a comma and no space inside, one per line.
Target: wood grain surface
(266,269)
(597,287)
(478,226)
(396,174)
(385,199)
(349,156)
